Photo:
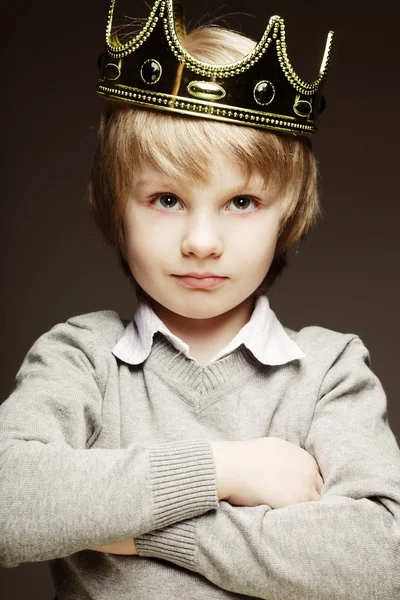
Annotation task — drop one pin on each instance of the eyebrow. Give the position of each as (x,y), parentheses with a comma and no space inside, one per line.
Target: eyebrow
(154,181)
(165,181)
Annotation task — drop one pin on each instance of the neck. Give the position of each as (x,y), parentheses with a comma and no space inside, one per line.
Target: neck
(205,337)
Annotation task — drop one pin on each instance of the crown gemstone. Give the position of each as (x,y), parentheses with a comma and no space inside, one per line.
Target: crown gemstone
(264,92)
(151,71)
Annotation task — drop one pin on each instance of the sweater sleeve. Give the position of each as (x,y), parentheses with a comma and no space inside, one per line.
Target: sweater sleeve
(58,495)
(347,544)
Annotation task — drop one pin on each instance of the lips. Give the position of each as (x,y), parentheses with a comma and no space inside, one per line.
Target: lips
(200,282)
(200,275)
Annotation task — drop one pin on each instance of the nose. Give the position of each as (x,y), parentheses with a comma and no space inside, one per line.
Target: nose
(202,237)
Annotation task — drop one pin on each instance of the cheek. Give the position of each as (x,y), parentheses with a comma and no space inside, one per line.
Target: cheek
(137,231)
(261,261)
(148,245)
(260,240)
(263,252)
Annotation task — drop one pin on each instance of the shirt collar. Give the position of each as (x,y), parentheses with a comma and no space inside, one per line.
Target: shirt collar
(263,335)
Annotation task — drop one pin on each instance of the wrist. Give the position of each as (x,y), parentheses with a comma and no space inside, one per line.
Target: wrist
(222,451)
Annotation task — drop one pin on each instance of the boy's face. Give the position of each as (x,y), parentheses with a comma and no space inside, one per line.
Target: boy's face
(172,228)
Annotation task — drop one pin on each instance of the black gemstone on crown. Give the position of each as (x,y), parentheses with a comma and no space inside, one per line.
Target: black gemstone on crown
(264,92)
(151,71)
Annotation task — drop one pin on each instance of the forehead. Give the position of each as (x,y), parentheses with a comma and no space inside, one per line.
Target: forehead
(222,172)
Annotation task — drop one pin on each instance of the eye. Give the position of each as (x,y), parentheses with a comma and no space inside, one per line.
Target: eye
(168,201)
(241,201)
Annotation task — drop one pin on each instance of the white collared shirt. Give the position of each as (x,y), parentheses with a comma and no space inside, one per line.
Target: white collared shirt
(263,335)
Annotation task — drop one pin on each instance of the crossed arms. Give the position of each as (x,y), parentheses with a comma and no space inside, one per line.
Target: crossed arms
(347,544)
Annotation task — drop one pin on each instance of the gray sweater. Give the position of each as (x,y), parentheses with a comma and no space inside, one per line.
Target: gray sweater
(94,450)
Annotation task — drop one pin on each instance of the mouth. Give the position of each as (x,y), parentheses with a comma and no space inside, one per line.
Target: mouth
(200,282)
(201,276)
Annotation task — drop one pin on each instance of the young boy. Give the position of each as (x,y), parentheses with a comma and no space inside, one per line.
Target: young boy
(202,449)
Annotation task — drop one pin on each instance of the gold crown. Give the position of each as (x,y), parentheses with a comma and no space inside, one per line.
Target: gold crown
(261,90)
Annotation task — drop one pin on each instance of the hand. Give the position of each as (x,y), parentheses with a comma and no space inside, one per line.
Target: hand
(265,470)
(122,547)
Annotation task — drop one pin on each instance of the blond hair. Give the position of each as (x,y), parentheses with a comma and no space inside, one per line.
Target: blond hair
(183,146)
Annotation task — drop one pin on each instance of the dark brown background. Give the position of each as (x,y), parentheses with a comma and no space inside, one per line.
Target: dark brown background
(55,265)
